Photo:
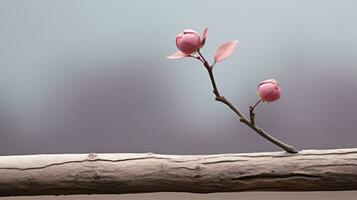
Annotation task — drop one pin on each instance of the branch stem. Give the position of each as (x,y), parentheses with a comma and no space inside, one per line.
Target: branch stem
(242,118)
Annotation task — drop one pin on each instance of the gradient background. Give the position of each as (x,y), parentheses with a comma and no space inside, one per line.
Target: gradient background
(92,76)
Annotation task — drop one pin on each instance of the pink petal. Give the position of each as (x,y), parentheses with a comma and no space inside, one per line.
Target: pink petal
(177,55)
(204,35)
(225,50)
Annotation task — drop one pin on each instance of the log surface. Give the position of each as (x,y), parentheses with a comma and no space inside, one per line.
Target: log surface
(65,174)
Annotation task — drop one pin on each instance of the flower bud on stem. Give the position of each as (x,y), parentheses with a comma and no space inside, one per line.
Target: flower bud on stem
(189,43)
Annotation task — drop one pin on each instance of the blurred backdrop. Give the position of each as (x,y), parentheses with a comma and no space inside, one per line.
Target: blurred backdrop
(92,76)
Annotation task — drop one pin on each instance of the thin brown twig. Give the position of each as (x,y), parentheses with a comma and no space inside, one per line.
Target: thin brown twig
(251,112)
(242,118)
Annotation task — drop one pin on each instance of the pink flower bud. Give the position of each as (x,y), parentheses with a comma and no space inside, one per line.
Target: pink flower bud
(269,90)
(188,41)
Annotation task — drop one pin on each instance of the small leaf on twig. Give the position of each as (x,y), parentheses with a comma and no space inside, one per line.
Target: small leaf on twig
(225,50)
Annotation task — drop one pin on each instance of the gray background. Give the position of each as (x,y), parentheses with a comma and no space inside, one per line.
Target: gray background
(92,76)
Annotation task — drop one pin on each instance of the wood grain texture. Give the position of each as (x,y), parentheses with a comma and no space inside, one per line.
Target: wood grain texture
(65,174)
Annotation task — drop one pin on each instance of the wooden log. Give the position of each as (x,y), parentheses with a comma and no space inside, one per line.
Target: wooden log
(66,174)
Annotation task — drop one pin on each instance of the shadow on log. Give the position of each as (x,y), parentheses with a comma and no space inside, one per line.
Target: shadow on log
(66,174)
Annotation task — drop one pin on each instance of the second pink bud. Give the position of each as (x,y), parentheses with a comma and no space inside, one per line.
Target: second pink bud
(269,90)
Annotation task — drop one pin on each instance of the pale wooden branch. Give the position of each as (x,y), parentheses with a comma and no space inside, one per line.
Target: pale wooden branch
(309,170)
